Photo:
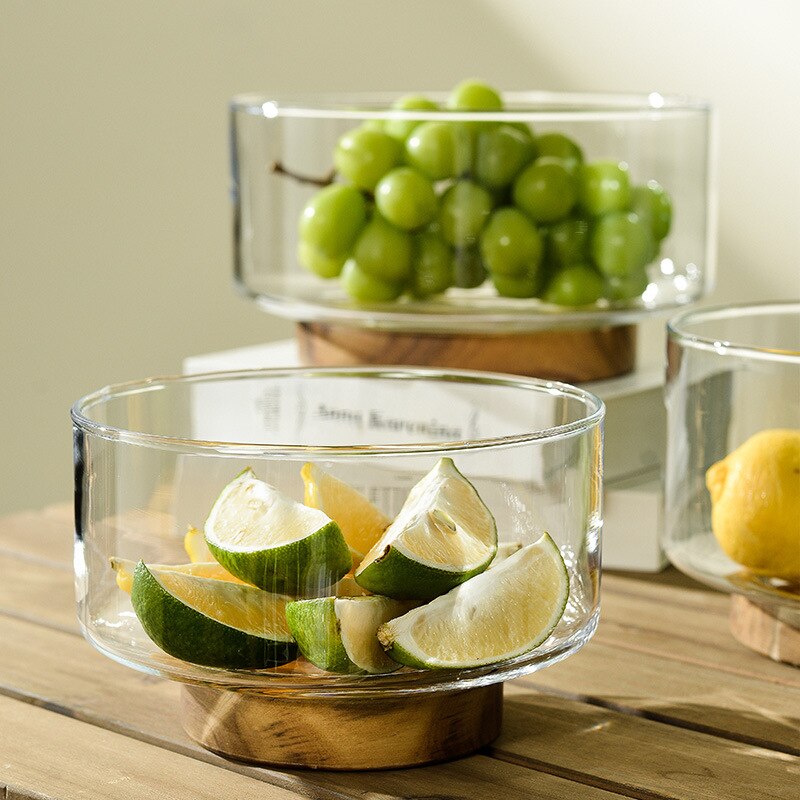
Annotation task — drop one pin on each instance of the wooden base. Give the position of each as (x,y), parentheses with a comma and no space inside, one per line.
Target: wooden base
(764,632)
(569,355)
(342,733)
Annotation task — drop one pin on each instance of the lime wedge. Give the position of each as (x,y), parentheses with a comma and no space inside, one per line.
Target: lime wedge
(125,568)
(362,523)
(269,540)
(443,535)
(341,634)
(194,543)
(502,613)
(212,622)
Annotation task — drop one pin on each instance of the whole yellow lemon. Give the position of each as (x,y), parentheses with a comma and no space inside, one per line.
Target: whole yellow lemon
(755,503)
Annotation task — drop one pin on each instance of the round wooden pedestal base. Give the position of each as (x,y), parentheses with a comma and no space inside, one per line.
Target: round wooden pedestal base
(342,733)
(763,632)
(569,355)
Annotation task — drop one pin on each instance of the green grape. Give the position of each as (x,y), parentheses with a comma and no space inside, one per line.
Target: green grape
(469,271)
(559,146)
(576,285)
(366,288)
(526,131)
(519,286)
(501,152)
(317,262)
(431,148)
(568,242)
(332,218)
(406,198)
(383,251)
(604,187)
(431,265)
(546,190)
(364,155)
(621,244)
(510,244)
(441,150)
(626,287)
(464,210)
(473,95)
(401,128)
(654,206)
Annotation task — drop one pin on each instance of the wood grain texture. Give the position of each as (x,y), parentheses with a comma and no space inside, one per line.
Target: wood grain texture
(55,756)
(567,742)
(761,631)
(570,355)
(342,733)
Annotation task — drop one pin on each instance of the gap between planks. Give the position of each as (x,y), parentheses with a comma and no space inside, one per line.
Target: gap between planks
(536,726)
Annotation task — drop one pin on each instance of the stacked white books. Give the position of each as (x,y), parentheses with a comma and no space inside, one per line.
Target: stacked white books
(635,444)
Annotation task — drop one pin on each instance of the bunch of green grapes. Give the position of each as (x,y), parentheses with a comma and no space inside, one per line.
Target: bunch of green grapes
(422,206)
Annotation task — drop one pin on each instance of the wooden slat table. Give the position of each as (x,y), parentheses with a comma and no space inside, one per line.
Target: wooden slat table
(663,703)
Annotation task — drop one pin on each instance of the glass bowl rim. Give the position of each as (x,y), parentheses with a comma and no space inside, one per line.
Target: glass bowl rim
(524,105)
(594,406)
(677,329)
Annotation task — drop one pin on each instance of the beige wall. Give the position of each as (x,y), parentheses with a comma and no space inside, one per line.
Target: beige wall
(114,214)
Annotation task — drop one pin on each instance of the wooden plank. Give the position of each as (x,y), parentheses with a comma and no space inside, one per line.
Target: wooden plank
(55,756)
(59,671)
(37,591)
(640,756)
(45,535)
(591,747)
(703,698)
(653,626)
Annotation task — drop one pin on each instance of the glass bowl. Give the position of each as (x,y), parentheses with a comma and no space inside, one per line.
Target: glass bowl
(282,153)
(152,456)
(734,373)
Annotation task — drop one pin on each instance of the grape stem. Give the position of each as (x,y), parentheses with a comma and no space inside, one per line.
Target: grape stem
(277,168)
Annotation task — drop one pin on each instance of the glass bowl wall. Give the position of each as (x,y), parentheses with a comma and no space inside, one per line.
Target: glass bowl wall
(732,373)
(151,457)
(277,143)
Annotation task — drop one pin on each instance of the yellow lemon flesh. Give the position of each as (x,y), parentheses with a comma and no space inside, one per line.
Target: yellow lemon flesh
(361,522)
(755,503)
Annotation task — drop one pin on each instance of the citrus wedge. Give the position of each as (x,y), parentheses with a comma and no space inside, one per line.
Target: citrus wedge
(212,622)
(347,587)
(341,634)
(502,613)
(194,543)
(124,568)
(443,535)
(269,540)
(504,550)
(362,523)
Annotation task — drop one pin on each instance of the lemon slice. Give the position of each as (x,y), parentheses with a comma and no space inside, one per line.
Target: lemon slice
(443,535)
(341,634)
(212,622)
(194,543)
(269,540)
(502,613)
(362,523)
(125,568)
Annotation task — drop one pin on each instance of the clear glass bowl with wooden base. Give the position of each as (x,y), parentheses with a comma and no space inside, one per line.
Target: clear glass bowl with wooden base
(733,464)
(218,515)
(582,167)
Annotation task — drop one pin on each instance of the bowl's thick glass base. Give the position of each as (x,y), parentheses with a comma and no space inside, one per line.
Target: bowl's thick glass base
(379,732)
(578,355)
